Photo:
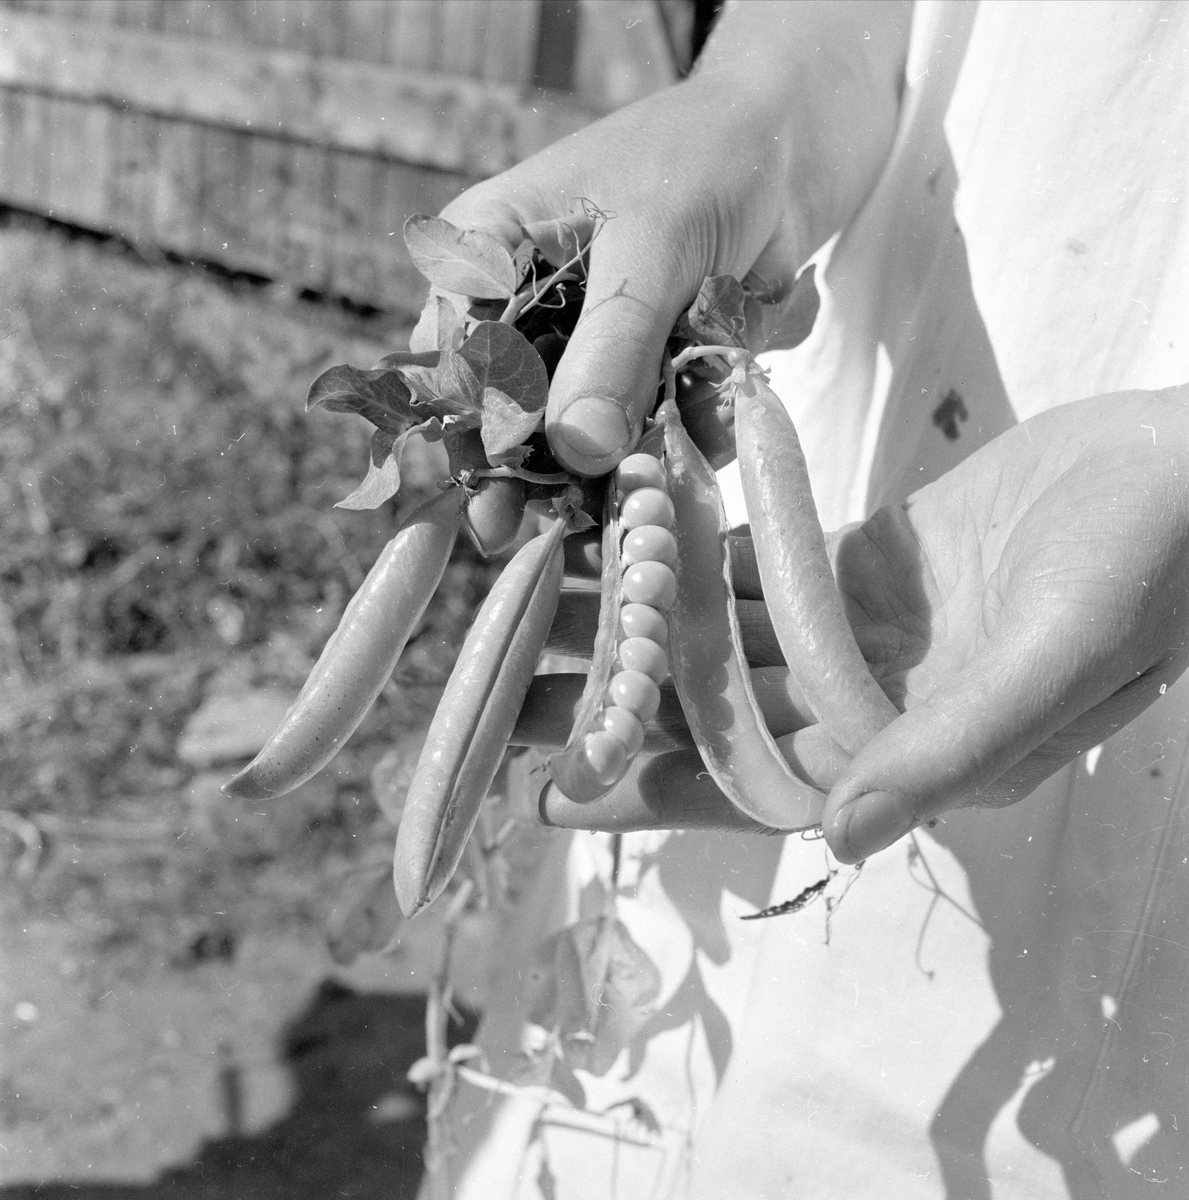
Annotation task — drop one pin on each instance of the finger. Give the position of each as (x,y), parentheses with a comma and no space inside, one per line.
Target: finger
(606,382)
(1027,683)
(664,791)
(547,715)
(493,212)
(815,756)
(577,618)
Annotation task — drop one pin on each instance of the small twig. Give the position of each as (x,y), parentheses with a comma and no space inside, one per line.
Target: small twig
(832,905)
(437,1018)
(561,1111)
(734,355)
(796,904)
(519,304)
(549,480)
(915,855)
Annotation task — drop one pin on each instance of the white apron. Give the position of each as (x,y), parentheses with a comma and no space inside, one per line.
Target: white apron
(999,1007)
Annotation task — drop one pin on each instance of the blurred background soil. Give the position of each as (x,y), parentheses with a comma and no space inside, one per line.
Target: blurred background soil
(172,562)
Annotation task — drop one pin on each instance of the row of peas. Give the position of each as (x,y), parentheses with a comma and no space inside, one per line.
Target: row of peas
(649,590)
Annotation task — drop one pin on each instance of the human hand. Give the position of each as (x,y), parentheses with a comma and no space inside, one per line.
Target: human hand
(747,167)
(1020,610)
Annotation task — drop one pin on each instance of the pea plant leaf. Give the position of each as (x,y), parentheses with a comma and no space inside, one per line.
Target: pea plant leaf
(382,480)
(442,323)
(716,317)
(782,320)
(366,914)
(466,261)
(515,387)
(506,426)
(448,387)
(380,396)
(596,988)
(503,358)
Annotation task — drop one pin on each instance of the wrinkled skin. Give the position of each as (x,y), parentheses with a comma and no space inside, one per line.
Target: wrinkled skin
(1019,610)
(710,177)
(1022,608)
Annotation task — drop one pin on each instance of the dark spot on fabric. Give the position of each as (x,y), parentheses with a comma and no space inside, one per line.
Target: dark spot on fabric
(949,413)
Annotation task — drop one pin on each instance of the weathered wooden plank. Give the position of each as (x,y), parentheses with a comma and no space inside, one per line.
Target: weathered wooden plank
(130,175)
(269,176)
(460,37)
(76,148)
(510,34)
(366,29)
(138,14)
(307,237)
(19,157)
(177,209)
(414,36)
(355,191)
(443,121)
(370,261)
(225,178)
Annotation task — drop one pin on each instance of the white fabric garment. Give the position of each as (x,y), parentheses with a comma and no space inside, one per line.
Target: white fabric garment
(999,1008)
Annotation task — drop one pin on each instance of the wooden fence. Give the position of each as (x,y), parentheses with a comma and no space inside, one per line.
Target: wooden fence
(291,138)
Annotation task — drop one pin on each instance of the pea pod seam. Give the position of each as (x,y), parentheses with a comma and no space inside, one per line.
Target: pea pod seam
(805,605)
(474,719)
(706,651)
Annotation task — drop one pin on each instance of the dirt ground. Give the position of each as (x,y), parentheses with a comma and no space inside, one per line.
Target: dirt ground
(173,1021)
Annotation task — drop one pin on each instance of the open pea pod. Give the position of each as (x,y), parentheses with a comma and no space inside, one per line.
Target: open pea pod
(706,650)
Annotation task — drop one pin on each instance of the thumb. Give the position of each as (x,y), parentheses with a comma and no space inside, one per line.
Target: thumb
(606,382)
(966,742)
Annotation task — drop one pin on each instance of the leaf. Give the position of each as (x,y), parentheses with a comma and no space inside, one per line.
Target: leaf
(503,358)
(791,323)
(382,480)
(561,239)
(366,916)
(448,388)
(716,317)
(460,260)
(381,396)
(596,987)
(440,325)
(506,425)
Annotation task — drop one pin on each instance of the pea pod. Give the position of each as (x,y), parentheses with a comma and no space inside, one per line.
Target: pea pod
(629,661)
(669,790)
(542,721)
(495,506)
(577,619)
(709,668)
(806,608)
(361,654)
(470,729)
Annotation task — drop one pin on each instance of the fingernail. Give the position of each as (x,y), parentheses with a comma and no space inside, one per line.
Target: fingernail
(591,431)
(871,823)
